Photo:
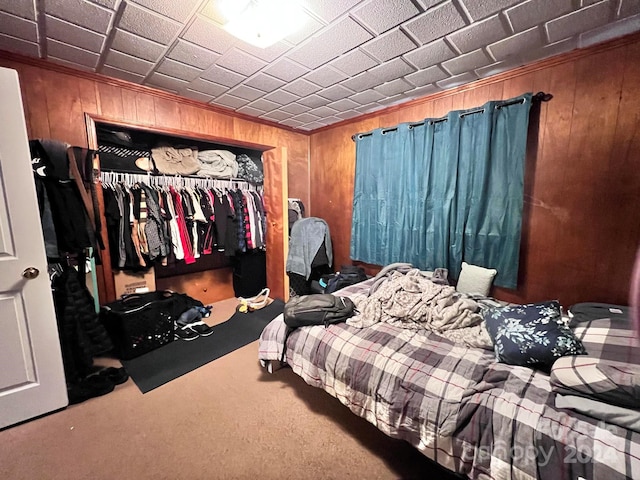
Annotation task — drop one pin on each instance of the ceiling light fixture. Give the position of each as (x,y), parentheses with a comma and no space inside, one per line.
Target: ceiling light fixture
(261,22)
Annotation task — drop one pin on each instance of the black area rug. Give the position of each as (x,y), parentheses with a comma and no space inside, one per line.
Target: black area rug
(173,360)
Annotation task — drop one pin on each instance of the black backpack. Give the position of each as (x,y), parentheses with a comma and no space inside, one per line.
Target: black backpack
(348,275)
(316,309)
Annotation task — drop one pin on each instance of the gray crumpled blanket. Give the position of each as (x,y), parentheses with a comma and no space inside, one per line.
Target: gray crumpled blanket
(408,299)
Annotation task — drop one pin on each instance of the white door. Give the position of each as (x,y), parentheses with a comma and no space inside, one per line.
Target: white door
(31,374)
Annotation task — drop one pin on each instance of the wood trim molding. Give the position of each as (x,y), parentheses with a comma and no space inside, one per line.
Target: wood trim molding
(41,63)
(500,77)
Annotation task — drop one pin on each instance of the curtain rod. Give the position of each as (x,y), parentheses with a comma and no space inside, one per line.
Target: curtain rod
(538,97)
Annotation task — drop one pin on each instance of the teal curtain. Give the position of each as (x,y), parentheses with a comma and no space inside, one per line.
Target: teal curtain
(443,191)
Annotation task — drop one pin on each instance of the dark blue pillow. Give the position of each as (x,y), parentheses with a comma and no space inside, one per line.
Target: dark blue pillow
(532,335)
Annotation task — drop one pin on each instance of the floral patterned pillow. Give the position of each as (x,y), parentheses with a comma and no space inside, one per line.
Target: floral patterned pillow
(532,335)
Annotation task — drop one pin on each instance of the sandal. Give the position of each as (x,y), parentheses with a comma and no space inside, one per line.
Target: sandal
(254,303)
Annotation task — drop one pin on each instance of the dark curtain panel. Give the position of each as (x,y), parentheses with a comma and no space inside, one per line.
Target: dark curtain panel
(443,191)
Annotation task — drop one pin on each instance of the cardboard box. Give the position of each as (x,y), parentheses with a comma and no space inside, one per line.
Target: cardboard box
(133,282)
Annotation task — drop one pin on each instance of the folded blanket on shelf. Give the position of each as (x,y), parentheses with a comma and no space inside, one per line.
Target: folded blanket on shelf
(217,163)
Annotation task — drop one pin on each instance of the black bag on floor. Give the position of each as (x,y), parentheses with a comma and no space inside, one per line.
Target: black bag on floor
(140,323)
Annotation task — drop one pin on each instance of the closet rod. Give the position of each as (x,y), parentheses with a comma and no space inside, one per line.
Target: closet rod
(110,176)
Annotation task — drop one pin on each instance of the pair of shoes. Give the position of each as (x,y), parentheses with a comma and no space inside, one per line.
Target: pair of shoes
(115,375)
(191,331)
(183,332)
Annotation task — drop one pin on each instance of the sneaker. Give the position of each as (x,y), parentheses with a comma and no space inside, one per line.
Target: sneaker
(185,333)
(200,328)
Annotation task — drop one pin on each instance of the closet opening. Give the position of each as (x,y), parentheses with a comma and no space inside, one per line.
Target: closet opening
(123,153)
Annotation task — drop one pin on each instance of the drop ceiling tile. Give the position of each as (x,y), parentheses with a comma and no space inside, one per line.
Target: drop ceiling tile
(535,12)
(295,108)
(306,118)
(149,25)
(325,76)
(240,62)
(394,100)
(68,33)
(479,34)
(468,61)
(354,62)
(610,31)
(248,93)
(423,91)
(313,101)
(482,9)
(343,105)
(290,122)
(348,114)
(121,74)
(529,39)
(312,126)
(557,48)
(435,23)
(394,87)
(321,112)
(72,54)
(74,65)
(457,80)
(301,87)
(382,15)
(629,7)
(198,96)
(264,82)
(330,43)
(430,54)
(231,101)
(179,11)
(493,69)
(122,61)
(247,110)
(329,10)
(362,81)
(336,92)
(21,8)
(277,115)
(396,68)
(137,46)
(579,21)
(79,12)
(193,55)
(209,35)
(427,76)
(366,97)
(369,107)
(166,82)
(12,44)
(208,88)
(178,70)
(268,54)
(222,76)
(389,45)
(18,27)
(264,105)
(308,28)
(281,97)
(285,69)
(111,4)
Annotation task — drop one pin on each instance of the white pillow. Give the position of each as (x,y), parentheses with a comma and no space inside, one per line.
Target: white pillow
(474,279)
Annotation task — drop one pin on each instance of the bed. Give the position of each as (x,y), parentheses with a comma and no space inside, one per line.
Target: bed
(456,404)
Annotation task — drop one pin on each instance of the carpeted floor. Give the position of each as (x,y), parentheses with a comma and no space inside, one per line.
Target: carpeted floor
(226,420)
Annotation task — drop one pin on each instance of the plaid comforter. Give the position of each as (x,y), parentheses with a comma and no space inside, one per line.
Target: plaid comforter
(456,404)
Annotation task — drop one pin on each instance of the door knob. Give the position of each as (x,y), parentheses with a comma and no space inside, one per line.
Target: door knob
(30,273)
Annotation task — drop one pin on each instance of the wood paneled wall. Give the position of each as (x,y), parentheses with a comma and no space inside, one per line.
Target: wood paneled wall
(581,224)
(56,100)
